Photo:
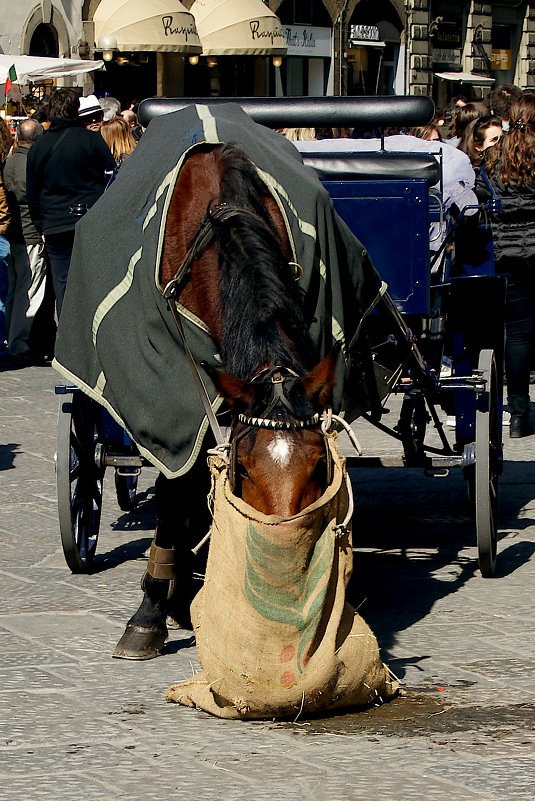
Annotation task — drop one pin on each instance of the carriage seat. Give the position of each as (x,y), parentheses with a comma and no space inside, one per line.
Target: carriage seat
(373,166)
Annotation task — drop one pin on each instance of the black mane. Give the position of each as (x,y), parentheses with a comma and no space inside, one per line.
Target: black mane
(263,321)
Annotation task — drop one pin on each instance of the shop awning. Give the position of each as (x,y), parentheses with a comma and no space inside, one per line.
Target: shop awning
(366,43)
(238,27)
(465,77)
(30,69)
(147,25)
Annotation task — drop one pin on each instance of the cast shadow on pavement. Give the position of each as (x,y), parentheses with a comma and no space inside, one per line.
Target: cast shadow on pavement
(7,455)
(410,533)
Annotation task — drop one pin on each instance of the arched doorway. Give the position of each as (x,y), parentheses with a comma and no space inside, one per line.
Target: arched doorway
(307,27)
(374,48)
(44,41)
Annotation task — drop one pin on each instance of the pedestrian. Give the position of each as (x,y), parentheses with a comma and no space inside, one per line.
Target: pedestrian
(478,136)
(6,142)
(500,101)
(510,168)
(91,113)
(117,135)
(67,171)
(110,106)
(135,128)
(27,262)
(464,115)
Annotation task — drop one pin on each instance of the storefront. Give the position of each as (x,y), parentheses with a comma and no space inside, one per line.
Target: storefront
(506,37)
(143,45)
(307,69)
(242,49)
(373,58)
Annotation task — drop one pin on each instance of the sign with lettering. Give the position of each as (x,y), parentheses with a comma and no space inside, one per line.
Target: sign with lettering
(447,35)
(264,31)
(305,40)
(187,31)
(501,60)
(364,33)
(446,56)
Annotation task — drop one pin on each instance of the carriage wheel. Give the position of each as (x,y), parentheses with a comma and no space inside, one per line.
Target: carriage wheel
(126,488)
(79,474)
(488,465)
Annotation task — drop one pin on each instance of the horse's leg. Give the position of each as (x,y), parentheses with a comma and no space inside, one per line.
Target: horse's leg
(183,519)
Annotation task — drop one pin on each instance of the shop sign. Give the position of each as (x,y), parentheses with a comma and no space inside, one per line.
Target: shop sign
(364,33)
(305,40)
(445,56)
(501,60)
(448,35)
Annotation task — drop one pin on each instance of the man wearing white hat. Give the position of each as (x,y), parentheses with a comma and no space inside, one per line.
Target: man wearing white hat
(91,113)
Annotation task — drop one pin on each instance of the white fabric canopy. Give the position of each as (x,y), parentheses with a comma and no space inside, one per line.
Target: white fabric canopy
(155,25)
(238,27)
(465,77)
(37,68)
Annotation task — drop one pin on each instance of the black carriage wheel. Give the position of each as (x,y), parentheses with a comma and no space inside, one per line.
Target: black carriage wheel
(488,465)
(126,488)
(79,476)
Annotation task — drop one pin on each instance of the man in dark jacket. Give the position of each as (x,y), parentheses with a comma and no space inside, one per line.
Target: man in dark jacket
(67,172)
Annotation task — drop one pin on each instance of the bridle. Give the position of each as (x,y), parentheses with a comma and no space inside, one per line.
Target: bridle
(272,418)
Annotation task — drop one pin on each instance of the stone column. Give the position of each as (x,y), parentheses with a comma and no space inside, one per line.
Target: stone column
(477,48)
(418,59)
(525,65)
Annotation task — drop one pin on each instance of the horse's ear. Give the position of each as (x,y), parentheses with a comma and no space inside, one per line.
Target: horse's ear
(237,393)
(319,382)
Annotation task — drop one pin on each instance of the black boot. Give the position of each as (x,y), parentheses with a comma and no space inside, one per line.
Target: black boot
(519,426)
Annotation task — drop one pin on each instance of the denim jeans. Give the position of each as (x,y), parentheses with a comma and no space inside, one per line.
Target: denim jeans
(59,250)
(4,253)
(519,339)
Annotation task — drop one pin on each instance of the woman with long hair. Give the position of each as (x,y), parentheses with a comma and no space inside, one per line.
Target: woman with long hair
(480,134)
(510,168)
(118,136)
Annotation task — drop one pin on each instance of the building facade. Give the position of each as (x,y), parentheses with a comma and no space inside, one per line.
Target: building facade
(421,47)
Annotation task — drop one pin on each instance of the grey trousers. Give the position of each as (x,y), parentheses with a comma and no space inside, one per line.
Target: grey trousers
(26,290)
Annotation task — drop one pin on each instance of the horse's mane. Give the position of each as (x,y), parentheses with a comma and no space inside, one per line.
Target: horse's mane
(263,321)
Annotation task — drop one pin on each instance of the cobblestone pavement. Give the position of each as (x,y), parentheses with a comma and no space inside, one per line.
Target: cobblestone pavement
(76,724)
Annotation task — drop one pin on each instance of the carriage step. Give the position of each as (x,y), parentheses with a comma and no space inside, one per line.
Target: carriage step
(131,460)
(427,462)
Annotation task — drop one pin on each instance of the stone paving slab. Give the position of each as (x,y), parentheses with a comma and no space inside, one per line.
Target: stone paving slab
(76,724)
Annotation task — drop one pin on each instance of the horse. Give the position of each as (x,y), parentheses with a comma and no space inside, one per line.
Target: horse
(227,249)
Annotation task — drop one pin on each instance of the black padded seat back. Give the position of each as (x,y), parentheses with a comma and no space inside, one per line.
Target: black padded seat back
(310,112)
(373,166)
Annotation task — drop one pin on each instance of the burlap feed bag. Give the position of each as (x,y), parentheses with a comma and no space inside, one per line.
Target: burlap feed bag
(275,636)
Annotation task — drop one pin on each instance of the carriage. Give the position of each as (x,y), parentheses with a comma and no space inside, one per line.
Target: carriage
(427,313)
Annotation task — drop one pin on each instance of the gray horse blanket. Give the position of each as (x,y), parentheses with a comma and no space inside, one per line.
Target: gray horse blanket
(117,339)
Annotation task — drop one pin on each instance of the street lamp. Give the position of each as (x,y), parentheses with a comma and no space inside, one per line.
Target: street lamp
(108,44)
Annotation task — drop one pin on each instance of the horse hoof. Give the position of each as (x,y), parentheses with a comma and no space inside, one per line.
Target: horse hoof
(140,643)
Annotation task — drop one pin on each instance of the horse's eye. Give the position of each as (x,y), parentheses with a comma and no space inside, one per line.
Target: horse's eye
(242,470)
(320,471)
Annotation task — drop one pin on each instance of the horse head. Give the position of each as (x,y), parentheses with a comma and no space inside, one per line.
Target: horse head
(279,460)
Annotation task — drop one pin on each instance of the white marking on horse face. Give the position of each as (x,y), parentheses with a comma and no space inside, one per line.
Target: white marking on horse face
(280,449)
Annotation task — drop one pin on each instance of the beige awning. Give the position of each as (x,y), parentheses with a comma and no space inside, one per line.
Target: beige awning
(238,27)
(161,25)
